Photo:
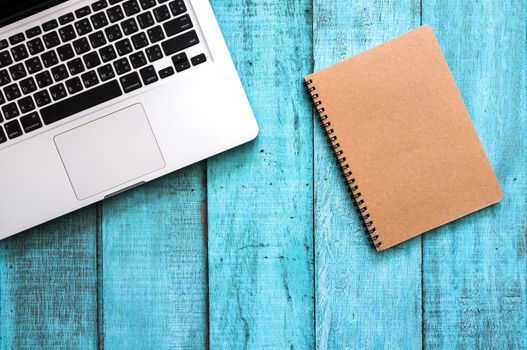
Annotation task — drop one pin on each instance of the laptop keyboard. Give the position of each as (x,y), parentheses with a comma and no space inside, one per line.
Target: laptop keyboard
(87,57)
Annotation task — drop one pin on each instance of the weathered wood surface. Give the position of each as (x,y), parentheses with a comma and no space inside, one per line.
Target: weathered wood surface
(288,264)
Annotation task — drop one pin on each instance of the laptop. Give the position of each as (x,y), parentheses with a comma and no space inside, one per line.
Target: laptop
(97,97)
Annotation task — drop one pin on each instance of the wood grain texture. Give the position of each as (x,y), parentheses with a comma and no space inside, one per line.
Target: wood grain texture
(260,196)
(475,269)
(364,299)
(48,284)
(153,284)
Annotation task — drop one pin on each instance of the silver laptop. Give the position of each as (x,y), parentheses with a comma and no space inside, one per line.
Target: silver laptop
(97,97)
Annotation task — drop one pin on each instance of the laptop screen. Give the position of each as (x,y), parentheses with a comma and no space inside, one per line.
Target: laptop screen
(13,10)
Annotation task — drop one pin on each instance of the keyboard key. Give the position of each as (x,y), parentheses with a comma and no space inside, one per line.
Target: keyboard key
(99,5)
(154,53)
(123,47)
(182,65)
(106,72)
(146,4)
(165,73)
(138,59)
(180,42)
(44,79)
(107,53)
(50,25)
(97,39)
(81,102)
(28,86)
(33,65)
(35,46)
(4,77)
(149,75)
(51,40)
(67,33)
(91,60)
(129,26)
(2,101)
(199,59)
(31,122)
(18,71)
(130,82)
(99,20)
(65,52)
(10,111)
(82,12)
(113,33)
(156,34)
(83,26)
(19,52)
(178,25)
(74,85)
(81,46)
(57,92)
(5,59)
(90,79)
(12,92)
(122,66)
(161,13)
(67,18)
(13,129)
(177,7)
(42,98)
(145,20)
(131,8)
(3,137)
(113,2)
(115,14)
(76,66)
(26,105)
(60,73)
(3,44)
(139,41)
(17,38)
(49,59)
(32,32)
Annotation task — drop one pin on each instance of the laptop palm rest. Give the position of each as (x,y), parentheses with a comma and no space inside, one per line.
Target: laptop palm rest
(109,152)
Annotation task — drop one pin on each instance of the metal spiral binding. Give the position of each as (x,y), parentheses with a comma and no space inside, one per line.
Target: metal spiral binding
(351,181)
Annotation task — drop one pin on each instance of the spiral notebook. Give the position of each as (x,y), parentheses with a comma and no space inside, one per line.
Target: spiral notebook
(403,137)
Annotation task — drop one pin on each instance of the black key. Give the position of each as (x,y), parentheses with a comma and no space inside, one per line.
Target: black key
(130,82)
(129,26)
(165,73)
(18,71)
(181,66)
(10,111)
(178,25)
(140,40)
(123,47)
(81,46)
(31,122)
(99,5)
(76,66)
(17,38)
(108,53)
(35,46)
(97,39)
(42,98)
(74,85)
(146,4)
(199,59)
(50,25)
(138,59)
(26,105)
(131,7)
(149,75)
(90,79)
(180,42)
(67,33)
(3,137)
(5,59)
(179,58)
(19,52)
(32,32)
(49,58)
(4,77)
(28,86)
(57,92)
(99,20)
(12,92)
(156,34)
(113,2)
(177,7)
(33,65)
(67,18)
(82,12)
(145,20)
(13,129)
(91,60)
(81,102)
(59,73)
(113,33)
(154,53)
(65,52)
(106,72)
(2,101)
(161,13)
(44,79)
(83,26)
(51,40)
(122,66)
(3,44)
(115,14)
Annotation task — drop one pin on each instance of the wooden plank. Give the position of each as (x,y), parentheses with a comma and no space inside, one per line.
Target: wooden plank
(475,269)
(48,284)
(364,299)
(153,285)
(260,196)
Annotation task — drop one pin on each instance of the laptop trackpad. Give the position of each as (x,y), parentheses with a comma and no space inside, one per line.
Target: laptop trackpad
(109,152)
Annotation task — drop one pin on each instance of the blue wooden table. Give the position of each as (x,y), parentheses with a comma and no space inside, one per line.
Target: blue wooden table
(260,247)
